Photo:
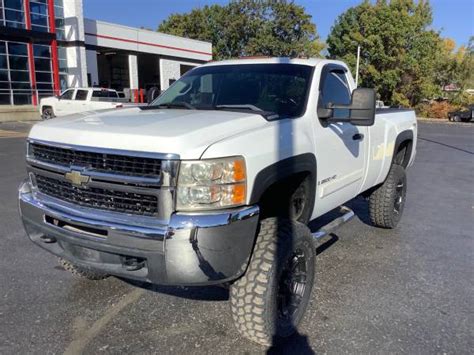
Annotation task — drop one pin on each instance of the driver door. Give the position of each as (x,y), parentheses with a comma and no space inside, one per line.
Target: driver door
(341,146)
(64,104)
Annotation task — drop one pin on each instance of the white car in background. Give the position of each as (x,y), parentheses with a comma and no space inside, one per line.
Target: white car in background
(79,100)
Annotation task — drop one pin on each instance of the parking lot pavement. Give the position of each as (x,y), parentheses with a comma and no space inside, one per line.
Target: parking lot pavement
(15,129)
(408,290)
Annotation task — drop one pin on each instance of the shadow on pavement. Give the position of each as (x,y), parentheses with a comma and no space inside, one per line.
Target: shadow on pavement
(327,244)
(360,206)
(295,344)
(446,145)
(208,293)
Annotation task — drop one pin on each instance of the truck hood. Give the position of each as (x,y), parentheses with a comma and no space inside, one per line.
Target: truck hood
(184,132)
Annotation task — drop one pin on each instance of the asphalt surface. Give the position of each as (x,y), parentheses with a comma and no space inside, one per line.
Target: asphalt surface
(408,290)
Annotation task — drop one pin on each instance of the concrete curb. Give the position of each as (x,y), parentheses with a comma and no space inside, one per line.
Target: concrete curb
(19,113)
(444,121)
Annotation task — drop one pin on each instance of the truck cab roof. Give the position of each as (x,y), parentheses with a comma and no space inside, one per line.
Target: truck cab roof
(93,88)
(276,60)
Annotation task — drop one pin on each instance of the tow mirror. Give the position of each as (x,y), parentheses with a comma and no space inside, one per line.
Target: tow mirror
(361,109)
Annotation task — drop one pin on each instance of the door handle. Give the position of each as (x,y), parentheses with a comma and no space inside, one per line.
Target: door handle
(358,137)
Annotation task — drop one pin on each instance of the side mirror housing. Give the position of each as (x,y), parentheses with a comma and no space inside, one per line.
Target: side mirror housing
(361,109)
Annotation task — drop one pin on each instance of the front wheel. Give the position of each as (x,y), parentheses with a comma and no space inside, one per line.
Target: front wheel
(47,113)
(269,301)
(386,203)
(457,118)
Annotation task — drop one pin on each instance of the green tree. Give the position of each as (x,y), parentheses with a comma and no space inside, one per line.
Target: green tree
(399,51)
(248,28)
(462,72)
(467,66)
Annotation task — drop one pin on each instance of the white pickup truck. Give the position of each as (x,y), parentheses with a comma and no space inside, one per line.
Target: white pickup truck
(216,180)
(79,100)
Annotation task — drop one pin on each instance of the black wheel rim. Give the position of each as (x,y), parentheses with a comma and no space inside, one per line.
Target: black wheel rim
(298,202)
(47,114)
(292,286)
(399,197)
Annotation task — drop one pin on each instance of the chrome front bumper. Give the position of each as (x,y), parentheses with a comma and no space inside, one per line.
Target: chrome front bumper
(189,249)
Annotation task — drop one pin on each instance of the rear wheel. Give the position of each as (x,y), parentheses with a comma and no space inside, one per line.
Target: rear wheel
(86,273)
(269,301)
(47,113)
(386,203)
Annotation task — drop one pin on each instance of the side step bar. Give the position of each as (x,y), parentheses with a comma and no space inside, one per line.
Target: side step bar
(347,215)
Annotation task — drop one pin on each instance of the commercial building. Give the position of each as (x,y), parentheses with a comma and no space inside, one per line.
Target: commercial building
(47,46)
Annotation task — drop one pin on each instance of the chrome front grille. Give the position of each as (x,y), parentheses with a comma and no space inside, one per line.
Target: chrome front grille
(100,198)
(108,163)
(129,182)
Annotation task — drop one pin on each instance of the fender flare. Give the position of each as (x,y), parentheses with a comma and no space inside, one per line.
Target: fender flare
(402,137)
(303,163)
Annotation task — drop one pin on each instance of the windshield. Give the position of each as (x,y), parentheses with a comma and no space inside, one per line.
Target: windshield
(279,89)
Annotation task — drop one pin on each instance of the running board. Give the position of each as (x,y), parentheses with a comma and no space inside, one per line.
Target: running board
(347,215)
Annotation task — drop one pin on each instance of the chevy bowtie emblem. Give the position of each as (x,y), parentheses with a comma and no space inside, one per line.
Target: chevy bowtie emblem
(76,178)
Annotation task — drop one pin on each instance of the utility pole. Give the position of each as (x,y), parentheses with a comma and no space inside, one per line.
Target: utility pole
(357,66)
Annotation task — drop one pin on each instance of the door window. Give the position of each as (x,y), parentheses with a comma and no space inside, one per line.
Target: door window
(81,95)
(336,90)
(67,95)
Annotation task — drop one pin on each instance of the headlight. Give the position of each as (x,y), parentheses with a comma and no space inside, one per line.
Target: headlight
(211,184)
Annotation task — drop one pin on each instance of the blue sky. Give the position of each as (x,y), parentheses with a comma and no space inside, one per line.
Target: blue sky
(455,18)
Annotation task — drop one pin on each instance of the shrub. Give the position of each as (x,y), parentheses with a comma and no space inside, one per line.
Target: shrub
(435,109)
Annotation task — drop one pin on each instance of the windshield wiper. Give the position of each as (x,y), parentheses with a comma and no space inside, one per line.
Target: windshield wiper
(269,115)
(178,104)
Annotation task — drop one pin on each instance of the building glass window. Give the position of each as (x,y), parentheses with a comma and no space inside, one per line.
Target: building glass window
(43,70)
(42,64)
(15,76)
(39,20)
(45,89)
(2,22)
(17,49)
(38,7)
(63,68)
(15,85)
(13,4)
(59,19)
(41,51)
(16,62)
(3,62)
(43,77)
(39,16)
(20,75)
(63,81)
(13,14)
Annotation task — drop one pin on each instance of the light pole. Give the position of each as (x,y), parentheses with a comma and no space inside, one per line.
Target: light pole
(357,66)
